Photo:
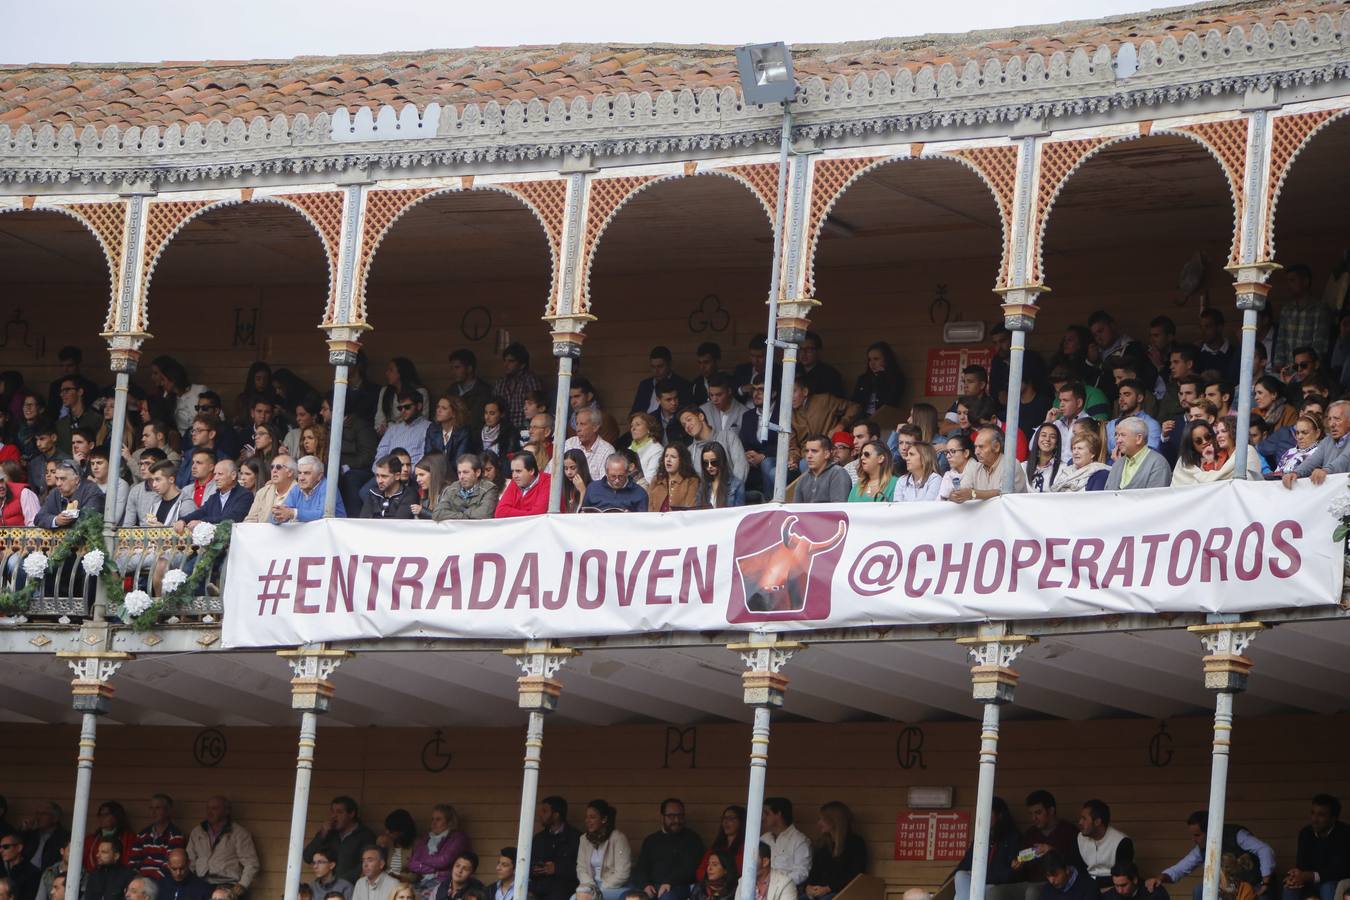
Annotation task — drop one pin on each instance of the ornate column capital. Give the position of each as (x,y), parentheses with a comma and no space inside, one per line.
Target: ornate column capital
(568,331)
(1019,305)
(125,349)
(539,662)
(794,319)
(311,691)
(90,690)
(993,651)
(764,658)
(1250,283)
(344,342)
(1226,668)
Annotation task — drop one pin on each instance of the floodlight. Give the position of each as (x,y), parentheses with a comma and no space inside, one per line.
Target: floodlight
(766,73)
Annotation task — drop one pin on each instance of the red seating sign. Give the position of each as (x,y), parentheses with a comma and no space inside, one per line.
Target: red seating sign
(945,365)
(931,836)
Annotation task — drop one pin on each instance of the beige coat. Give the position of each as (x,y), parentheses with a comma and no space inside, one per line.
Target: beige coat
(233,860)
(616,862)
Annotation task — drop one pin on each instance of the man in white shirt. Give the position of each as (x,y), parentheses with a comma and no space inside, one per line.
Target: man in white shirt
(1072,400)
(588,440)
(375,883)
(1235,840)
(791,851)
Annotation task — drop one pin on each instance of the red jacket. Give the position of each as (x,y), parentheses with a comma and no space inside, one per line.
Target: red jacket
(534,503)
(11,513)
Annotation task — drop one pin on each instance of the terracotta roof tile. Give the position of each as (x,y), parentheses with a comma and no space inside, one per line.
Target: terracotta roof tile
(180,92)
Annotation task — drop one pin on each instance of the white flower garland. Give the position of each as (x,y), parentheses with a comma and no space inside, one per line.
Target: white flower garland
(35,564)
(136,602)
(174,579)
(93,563)
(202,533)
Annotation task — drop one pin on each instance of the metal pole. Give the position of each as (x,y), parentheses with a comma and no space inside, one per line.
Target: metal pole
(529,801)
(304,771)
(1218,792)
(334,463)
(79,814)
(984,802)
(561,405)
(785,422)
(1244,415)
(119,426)
(1013,410)
(754,801)
(775,275)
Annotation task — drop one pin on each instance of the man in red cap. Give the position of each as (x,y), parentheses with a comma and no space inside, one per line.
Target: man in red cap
(843,448)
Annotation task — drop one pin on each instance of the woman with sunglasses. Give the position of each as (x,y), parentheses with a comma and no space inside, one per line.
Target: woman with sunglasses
(1198,457)
(719,489)
(876,475)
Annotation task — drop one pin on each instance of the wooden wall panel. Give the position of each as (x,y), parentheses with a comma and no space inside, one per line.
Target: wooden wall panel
(1278,764)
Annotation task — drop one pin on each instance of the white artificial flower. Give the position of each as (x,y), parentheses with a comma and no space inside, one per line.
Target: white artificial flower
(93,563)
(136,603)
(1340,507)
(173,580)
(35,564)
(202,533)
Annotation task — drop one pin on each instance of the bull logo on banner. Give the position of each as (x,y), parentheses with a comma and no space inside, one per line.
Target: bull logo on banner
(784,565)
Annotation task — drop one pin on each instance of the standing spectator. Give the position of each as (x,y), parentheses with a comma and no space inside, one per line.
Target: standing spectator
(666,863)
(226,441)
(676,486)
(1253,858)
(1162,337)
(304,501)
(400,377)
(408,430)
(182,883)
(819,376)
(823,481)
(1033,366)
(70,360)
(974,383)
(668,413)
(1323,857)
(987,481)
(99,471)
(1109,343)
(1072,397)
(719,487)
(374,882)
(527,494)
(516,382)
(587,439)
(221,850)
(581,396)
(107,878)
(881,384)
(1138,466)
(1182,363)
(840,854)
(150,851)
(616,491)
(1046,832)
(553,859)
(44,440)
(470,390)
(751,372)
(1304,320)
(645,399)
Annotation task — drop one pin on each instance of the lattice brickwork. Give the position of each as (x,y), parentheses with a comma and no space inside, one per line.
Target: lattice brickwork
(382,208)
(606,196)
(1059,159)
(828,180)
(1228,141)
(109,222)
(1288,134)
(998,167)
(762,179)
(324,210)
(163,218)
(548,200)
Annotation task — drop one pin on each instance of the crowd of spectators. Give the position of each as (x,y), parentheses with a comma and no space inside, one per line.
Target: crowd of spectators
(1106,412)
(1052,859)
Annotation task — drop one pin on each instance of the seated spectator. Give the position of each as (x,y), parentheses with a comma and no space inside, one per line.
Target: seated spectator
(921,479)
(1216,352)
(1042,466)
(1072,396)
(730,839)
(1130,404)
(471,497)
(99,471)
(708,357)
(719,487)
(375,883)
(700,434)
(840,854)
(1086,471)
(960,451)
(676,486)
(343,838)
(150,850)
(305,500)
(790,849)
(45,841)
(462,885)
(73,496)
(667,414)
(1137,467)
(540,433)
(449,433)
(226,441)
(1101,845)
(818,376)
(177,401)
(406,428)
(666,863)
(876,476)
(76,413)
(1003,841)
(470,390)
(1065,881)
(822,481)
(1220,393)
(751,372)
(434,853)
(326,880)
(1199,462)
(251,476)
(359,445)
(81,444)
(181,882)
(577,477)
(642,431)
(1046,832)
(582,396)
(1308,436)
(990,470)
(281,474)
(1225,436)
(19,503)
(771,883)
(527,494)
(1111,344)
(1323,856)
(647,397)
(1188,394)
(842,452)
(203,436)
(504,887)
(721,408)
(165,504)
(1331,455)
(32,415)
(719,878)
(588,440)
(23,877)
(974,382)
(1254,857)
(391,498)
(983,412)
(516,383)
(44,442)
(604,859)
(1128,884)
(616,491)
(230,503)
(756,451)
(881,384)
(108,878)
(400,377)
(816,413)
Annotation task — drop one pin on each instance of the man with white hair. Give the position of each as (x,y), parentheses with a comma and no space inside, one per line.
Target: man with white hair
(304,501)
(1139,466)
(588,440)
(1332,455)
(278,486)
(230,502)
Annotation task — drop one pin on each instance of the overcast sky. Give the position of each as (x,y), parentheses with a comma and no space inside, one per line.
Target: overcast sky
(59,31)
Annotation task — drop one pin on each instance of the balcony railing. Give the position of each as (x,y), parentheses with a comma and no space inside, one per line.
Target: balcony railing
(142,556)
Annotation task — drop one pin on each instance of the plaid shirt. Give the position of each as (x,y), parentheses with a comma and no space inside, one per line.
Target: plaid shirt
(1306,323)
(512,389)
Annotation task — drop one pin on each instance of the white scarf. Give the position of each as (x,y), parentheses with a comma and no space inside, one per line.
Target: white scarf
(1076,479)
(434,840)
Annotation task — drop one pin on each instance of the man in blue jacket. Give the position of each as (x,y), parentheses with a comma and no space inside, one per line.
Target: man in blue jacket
(229,503)
(617,490)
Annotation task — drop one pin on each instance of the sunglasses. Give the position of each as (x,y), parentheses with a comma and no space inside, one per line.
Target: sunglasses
(404,407)
(1307,364)
(9,846)
(205,407)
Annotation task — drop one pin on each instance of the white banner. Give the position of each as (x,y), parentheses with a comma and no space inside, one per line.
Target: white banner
(1226,548)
